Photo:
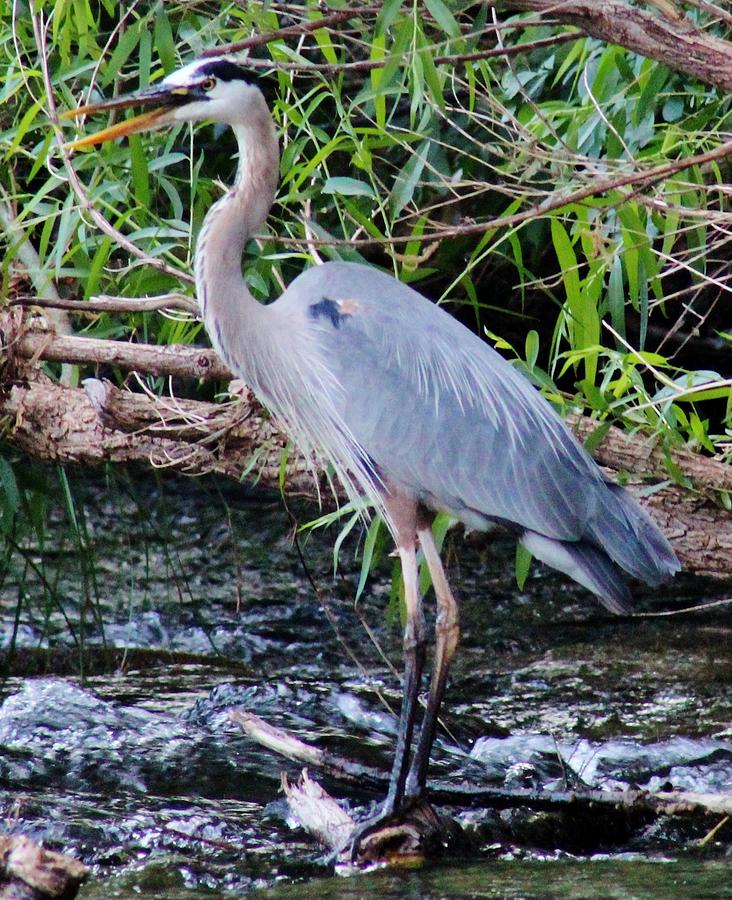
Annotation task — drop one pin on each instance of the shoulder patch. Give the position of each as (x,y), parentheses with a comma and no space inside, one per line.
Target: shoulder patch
(335,310)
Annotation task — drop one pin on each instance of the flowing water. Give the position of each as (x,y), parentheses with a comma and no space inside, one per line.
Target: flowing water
(177,602)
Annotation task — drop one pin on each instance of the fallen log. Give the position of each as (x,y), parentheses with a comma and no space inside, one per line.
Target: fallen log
(102,423)
(67,426)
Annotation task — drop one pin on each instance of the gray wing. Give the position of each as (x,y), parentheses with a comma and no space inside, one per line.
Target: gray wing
(441,413)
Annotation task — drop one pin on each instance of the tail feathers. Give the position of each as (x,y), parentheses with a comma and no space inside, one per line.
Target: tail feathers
(586,564)
(634,541)
(620,540)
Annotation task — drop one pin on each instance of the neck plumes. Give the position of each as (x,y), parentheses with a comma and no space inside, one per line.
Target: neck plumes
(231,314)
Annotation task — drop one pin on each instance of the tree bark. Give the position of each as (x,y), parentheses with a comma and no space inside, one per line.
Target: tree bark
(665,34)
(101,423)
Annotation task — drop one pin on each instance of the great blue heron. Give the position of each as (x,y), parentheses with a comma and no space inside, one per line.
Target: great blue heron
(410,408)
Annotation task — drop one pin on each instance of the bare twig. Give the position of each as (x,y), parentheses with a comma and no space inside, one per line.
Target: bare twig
(108,303)
(335,18)
(369,65)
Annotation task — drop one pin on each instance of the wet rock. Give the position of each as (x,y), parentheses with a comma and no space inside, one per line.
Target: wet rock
(699,764)
(55,732)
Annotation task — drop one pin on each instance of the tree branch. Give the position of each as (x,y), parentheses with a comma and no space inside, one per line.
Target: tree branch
(172,360)
(667,38)
(108,303)
(637,180)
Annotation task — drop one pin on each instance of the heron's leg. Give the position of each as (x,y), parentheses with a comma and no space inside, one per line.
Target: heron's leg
(403,512)
(447,634)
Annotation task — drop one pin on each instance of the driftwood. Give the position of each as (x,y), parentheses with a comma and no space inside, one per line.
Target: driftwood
(417,834)
(29,872)
(471,795)
(318,813)
(285,744)
(422,832)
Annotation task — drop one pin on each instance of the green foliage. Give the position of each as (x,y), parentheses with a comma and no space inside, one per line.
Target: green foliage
(610,289)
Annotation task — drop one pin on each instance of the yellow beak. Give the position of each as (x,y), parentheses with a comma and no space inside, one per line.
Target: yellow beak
(163,101)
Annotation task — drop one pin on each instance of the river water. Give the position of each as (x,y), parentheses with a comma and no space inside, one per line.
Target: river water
(129,638)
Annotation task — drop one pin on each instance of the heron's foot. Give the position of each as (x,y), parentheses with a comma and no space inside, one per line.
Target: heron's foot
(401,837)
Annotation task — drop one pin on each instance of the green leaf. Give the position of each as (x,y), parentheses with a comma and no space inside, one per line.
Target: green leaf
(348,187)
(696,396)
(22,128)
(139,171)
(596,437)
(406,182)
(325,43)
(673,109)
(369,545)
(342,535)
(10,500)
(282,472)
(125,45)
(432,77)
(616,296)
(522,565)
(394,57)
(642,303)
(532,348)
(164,41)
(443,17)
(387,14)
(658,75)
(567,260)
(97,265)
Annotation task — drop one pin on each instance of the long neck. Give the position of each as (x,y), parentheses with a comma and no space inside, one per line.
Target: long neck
(231,314)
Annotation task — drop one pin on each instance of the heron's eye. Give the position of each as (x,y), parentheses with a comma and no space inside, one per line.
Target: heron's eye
(208,84)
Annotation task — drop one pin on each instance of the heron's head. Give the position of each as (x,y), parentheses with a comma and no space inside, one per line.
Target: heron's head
(214,90)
